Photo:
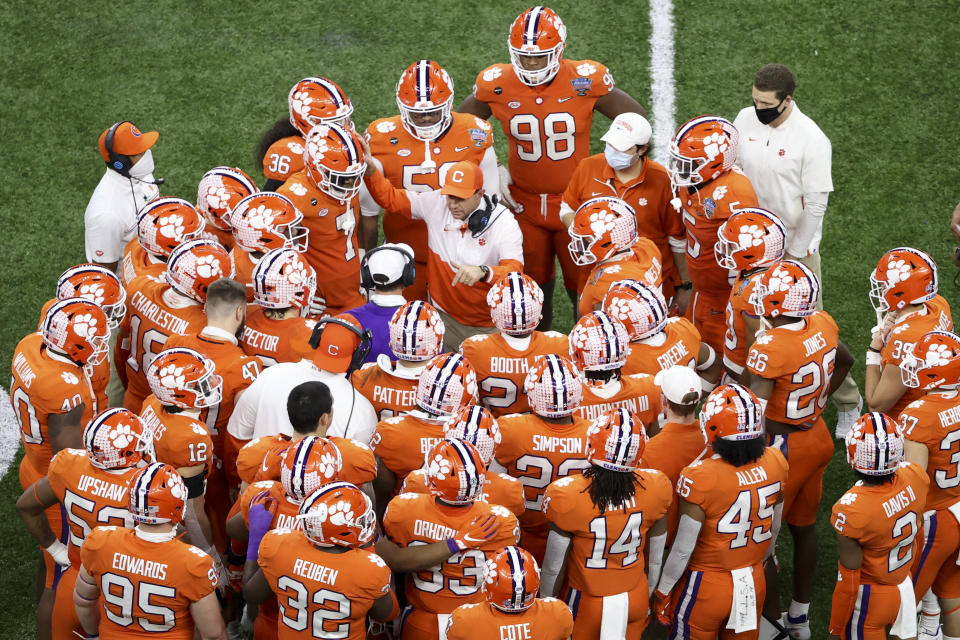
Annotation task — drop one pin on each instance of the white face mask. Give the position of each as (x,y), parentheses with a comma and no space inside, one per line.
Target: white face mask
(618,160)
(144,166)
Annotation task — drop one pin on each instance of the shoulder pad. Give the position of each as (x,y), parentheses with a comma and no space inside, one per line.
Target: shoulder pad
(554,334)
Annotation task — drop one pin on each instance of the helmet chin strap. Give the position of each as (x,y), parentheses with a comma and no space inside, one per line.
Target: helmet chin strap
(428,163)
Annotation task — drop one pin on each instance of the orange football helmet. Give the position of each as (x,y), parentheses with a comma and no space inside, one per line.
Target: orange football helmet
(308,464)
(599,343)
(195,265)
(601,227)
(903,276)
(97,284)
(184,378)
(334,160)
(703,148)
(165,223)
(338,514)
(455,471)
(875,444)
(638,306)
(788,288)
(283,279)
(553,386)
(157,495)
(219,191)
(932,361)
(117,439)
(265,221)
(516,304)
(476,425)
(615,441)
(511,580)
(416,332)
(749,239)
(425,98)
(318,100)
(538,35)
(731,412)
(78,328)
(446,384)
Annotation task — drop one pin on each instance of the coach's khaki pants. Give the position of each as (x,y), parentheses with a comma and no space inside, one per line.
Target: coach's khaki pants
(456,332)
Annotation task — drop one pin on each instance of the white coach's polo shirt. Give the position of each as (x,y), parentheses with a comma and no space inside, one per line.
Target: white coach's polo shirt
(110,220)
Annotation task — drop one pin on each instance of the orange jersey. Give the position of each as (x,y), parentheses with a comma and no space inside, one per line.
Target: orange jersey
(738,505)
(243,265)
(536,453)
(739,306)
(101,372)
(501,369)
(547,126)
(223,236)
(641,264)
(906,331)
(413,518)
(42,386)
(884,519)
(638,393)
(321,593)
(606,556)
(498,488)
(674,447)
(677,344)
(332,249)
(261,459)
(273,341)
(283,158)
(287,509)
(179,439)
(801,363)
(402,442)
(146,587)
(932,421)
(704,210)
(546,619)
(137,262)
(401,155)
(91,497)
(150,321)
(391,395)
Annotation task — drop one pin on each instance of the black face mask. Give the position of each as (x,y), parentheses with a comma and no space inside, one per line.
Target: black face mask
(768,115)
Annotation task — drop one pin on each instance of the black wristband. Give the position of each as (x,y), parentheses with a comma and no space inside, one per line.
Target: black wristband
(685,285)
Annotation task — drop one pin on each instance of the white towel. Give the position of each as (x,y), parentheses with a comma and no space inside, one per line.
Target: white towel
(443,621)
(743,610)
(613,621)
(905,626)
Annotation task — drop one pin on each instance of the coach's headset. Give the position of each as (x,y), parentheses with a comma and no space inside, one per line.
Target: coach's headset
(119,162)
(479,220)
(362,349)
(406,277)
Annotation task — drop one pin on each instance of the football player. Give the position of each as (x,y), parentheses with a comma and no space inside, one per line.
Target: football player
(326,192)
(263,222)
(709,189)
(219,191)
(455,477)
(144,581)
(416,336)
(159,308)
(932,366)
(162,226)
(604,233)
(417,147)
(795,364)
(600,522)
(446,384)
(903,291)
(730,512)
(318,567)
(513,610)
(747,243)
(277,329)
(503,359)
(547,444)
(545,106)
(598,347)
(876,521)
(91,485)
(476,425)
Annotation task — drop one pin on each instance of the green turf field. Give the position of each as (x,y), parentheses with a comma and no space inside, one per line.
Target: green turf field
(880,78)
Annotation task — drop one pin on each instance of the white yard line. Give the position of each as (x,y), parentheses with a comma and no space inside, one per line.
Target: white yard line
(9,433)
(661,75)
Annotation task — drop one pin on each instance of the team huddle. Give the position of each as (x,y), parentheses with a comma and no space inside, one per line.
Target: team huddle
(257,421)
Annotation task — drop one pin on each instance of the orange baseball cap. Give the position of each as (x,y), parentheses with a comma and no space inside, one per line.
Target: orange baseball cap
(337,344)
(127,140)
(462,180)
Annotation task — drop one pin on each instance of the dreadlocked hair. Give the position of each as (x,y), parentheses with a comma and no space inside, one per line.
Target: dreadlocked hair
(874,480)
(610,488)
(279,129)
(740,452)
(602,376)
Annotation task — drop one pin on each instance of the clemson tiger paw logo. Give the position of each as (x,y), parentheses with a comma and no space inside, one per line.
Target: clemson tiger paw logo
(566,481)
(93,292)
(340,513)
(719,192)
(69,378)
(298,189)
(715,144)
(178,489)
(171,376)
(85,325)
(300,103)
(618,308)
(586,69)
(121,436)
(328,465)
(489,571)
(386,126)
(317,146)
(780,280)
(439,468)
(208,267)
(260,217)
(897,271)
(377,560)
(216,196)
(170,226)
(848,499)
(492,74)
(937,355)
(470,384)
(295,147)
(579,337)
(712,407)
(601,222)
(750,236)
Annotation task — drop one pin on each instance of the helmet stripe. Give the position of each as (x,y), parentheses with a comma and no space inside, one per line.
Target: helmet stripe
(239,177)
(515,560)
(332,89)
(423,80)
(611,340)
(532,25)
(348,143)
(298,481)
(556,372)
(443,378)
(408,338)
(472,431)
(471,471)
(880,438)
(690,125)
(142,489)
(623,437)
(517,299)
